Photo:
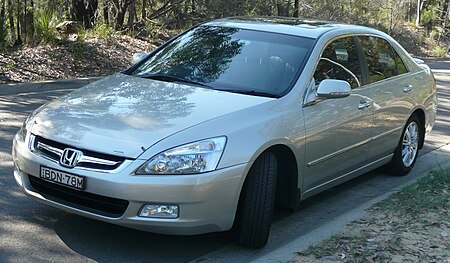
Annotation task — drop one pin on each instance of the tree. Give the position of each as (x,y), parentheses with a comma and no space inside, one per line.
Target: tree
(79,11)
(106,12)
(2,24)
(120,7)
(91,8)
(296,8)
(19,41)
(84,12)
(11,19)
(419,9)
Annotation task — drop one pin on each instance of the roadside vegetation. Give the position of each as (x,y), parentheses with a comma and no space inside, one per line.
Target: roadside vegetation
(412,225)
(76,28)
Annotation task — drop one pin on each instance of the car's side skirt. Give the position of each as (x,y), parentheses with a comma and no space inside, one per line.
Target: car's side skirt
(348,176)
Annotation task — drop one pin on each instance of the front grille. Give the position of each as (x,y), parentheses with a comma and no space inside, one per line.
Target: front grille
(97,204)
(91,160)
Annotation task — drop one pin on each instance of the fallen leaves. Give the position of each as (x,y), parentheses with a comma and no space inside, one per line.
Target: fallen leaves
(409,227)
(66,60)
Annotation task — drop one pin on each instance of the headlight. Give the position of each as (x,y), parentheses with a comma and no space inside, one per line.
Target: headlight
(197,157)
(23,130)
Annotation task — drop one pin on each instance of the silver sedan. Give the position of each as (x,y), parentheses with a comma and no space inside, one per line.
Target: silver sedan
(224,122)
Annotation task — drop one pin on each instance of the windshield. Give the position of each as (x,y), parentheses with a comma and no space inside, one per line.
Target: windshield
(231,59)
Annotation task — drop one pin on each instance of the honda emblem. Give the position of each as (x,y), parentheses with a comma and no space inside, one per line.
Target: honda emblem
(70,157)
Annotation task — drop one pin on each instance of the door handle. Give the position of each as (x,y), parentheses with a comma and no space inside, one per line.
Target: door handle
(365,103)
(407,88)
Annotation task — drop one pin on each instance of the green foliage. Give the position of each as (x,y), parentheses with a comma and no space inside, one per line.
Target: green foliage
(103,31)
(430,16)
(82,35)
(160,16)
(45,26)
(152,27)
(439,51)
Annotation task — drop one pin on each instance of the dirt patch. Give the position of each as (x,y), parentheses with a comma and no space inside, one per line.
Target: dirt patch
(67,60)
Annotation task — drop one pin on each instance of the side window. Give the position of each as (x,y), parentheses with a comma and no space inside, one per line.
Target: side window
(401,68)
(340,60)
(382,60)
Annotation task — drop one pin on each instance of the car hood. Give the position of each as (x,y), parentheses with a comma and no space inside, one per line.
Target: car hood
(125,115)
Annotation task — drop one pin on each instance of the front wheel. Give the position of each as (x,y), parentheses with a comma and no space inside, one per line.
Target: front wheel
(256,204)
(405,155)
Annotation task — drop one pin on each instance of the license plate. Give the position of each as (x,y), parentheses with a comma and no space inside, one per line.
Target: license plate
(62,178)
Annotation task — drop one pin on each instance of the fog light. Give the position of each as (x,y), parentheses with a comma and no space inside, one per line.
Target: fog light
(159,211)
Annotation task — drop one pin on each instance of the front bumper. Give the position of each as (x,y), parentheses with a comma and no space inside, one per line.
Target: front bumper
(207,202)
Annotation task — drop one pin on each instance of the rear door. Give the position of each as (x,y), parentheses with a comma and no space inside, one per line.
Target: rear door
(390,83)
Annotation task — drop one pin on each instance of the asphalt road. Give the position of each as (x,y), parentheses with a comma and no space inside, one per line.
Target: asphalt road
(31,231)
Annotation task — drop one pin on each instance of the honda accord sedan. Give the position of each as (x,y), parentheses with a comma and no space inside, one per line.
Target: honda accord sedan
(226,121)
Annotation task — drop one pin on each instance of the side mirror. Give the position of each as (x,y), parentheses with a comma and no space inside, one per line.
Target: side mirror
(137,57)
(333,89)
(419,61)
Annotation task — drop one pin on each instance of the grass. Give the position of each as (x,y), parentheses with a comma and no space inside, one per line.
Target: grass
(408,222)
(424,195)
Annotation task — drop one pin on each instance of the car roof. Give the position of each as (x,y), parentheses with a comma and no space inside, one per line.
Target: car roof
(284,25)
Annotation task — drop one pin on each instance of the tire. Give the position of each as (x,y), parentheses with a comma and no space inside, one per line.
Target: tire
(256,203)
(408,145)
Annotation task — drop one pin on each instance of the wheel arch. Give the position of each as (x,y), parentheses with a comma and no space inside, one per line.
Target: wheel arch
(420,113)
(287,193)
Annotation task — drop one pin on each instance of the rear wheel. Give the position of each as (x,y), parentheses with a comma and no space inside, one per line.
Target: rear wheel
(256,203)
(407,150)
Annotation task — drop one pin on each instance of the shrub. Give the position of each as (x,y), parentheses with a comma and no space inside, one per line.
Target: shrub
(103,31)
(439,51)
(45,26)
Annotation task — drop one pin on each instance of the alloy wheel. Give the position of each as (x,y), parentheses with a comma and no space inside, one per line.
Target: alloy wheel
(410,144)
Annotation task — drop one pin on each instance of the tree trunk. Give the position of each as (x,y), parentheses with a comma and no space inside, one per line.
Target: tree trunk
(2,23)
(19,19)
(11,19)
(131,14)
(24,26)
(279,8)
(106,12)
(288,8)
(91,8)
(444,17)
(120,8)
(144,10)
(419,10)
(296,2)
(120,18)
(445,8)
(31,21)
(79,12)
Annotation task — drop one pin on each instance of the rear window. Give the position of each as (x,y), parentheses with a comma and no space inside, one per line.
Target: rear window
(382,60)
(232,59)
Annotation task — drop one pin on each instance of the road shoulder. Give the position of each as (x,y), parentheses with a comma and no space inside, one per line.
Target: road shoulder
(435,160)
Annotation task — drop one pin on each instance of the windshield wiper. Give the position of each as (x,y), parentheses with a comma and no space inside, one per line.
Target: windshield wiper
(170,78)
(252,92)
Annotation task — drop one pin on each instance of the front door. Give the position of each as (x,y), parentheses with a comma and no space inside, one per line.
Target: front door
(337,130)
